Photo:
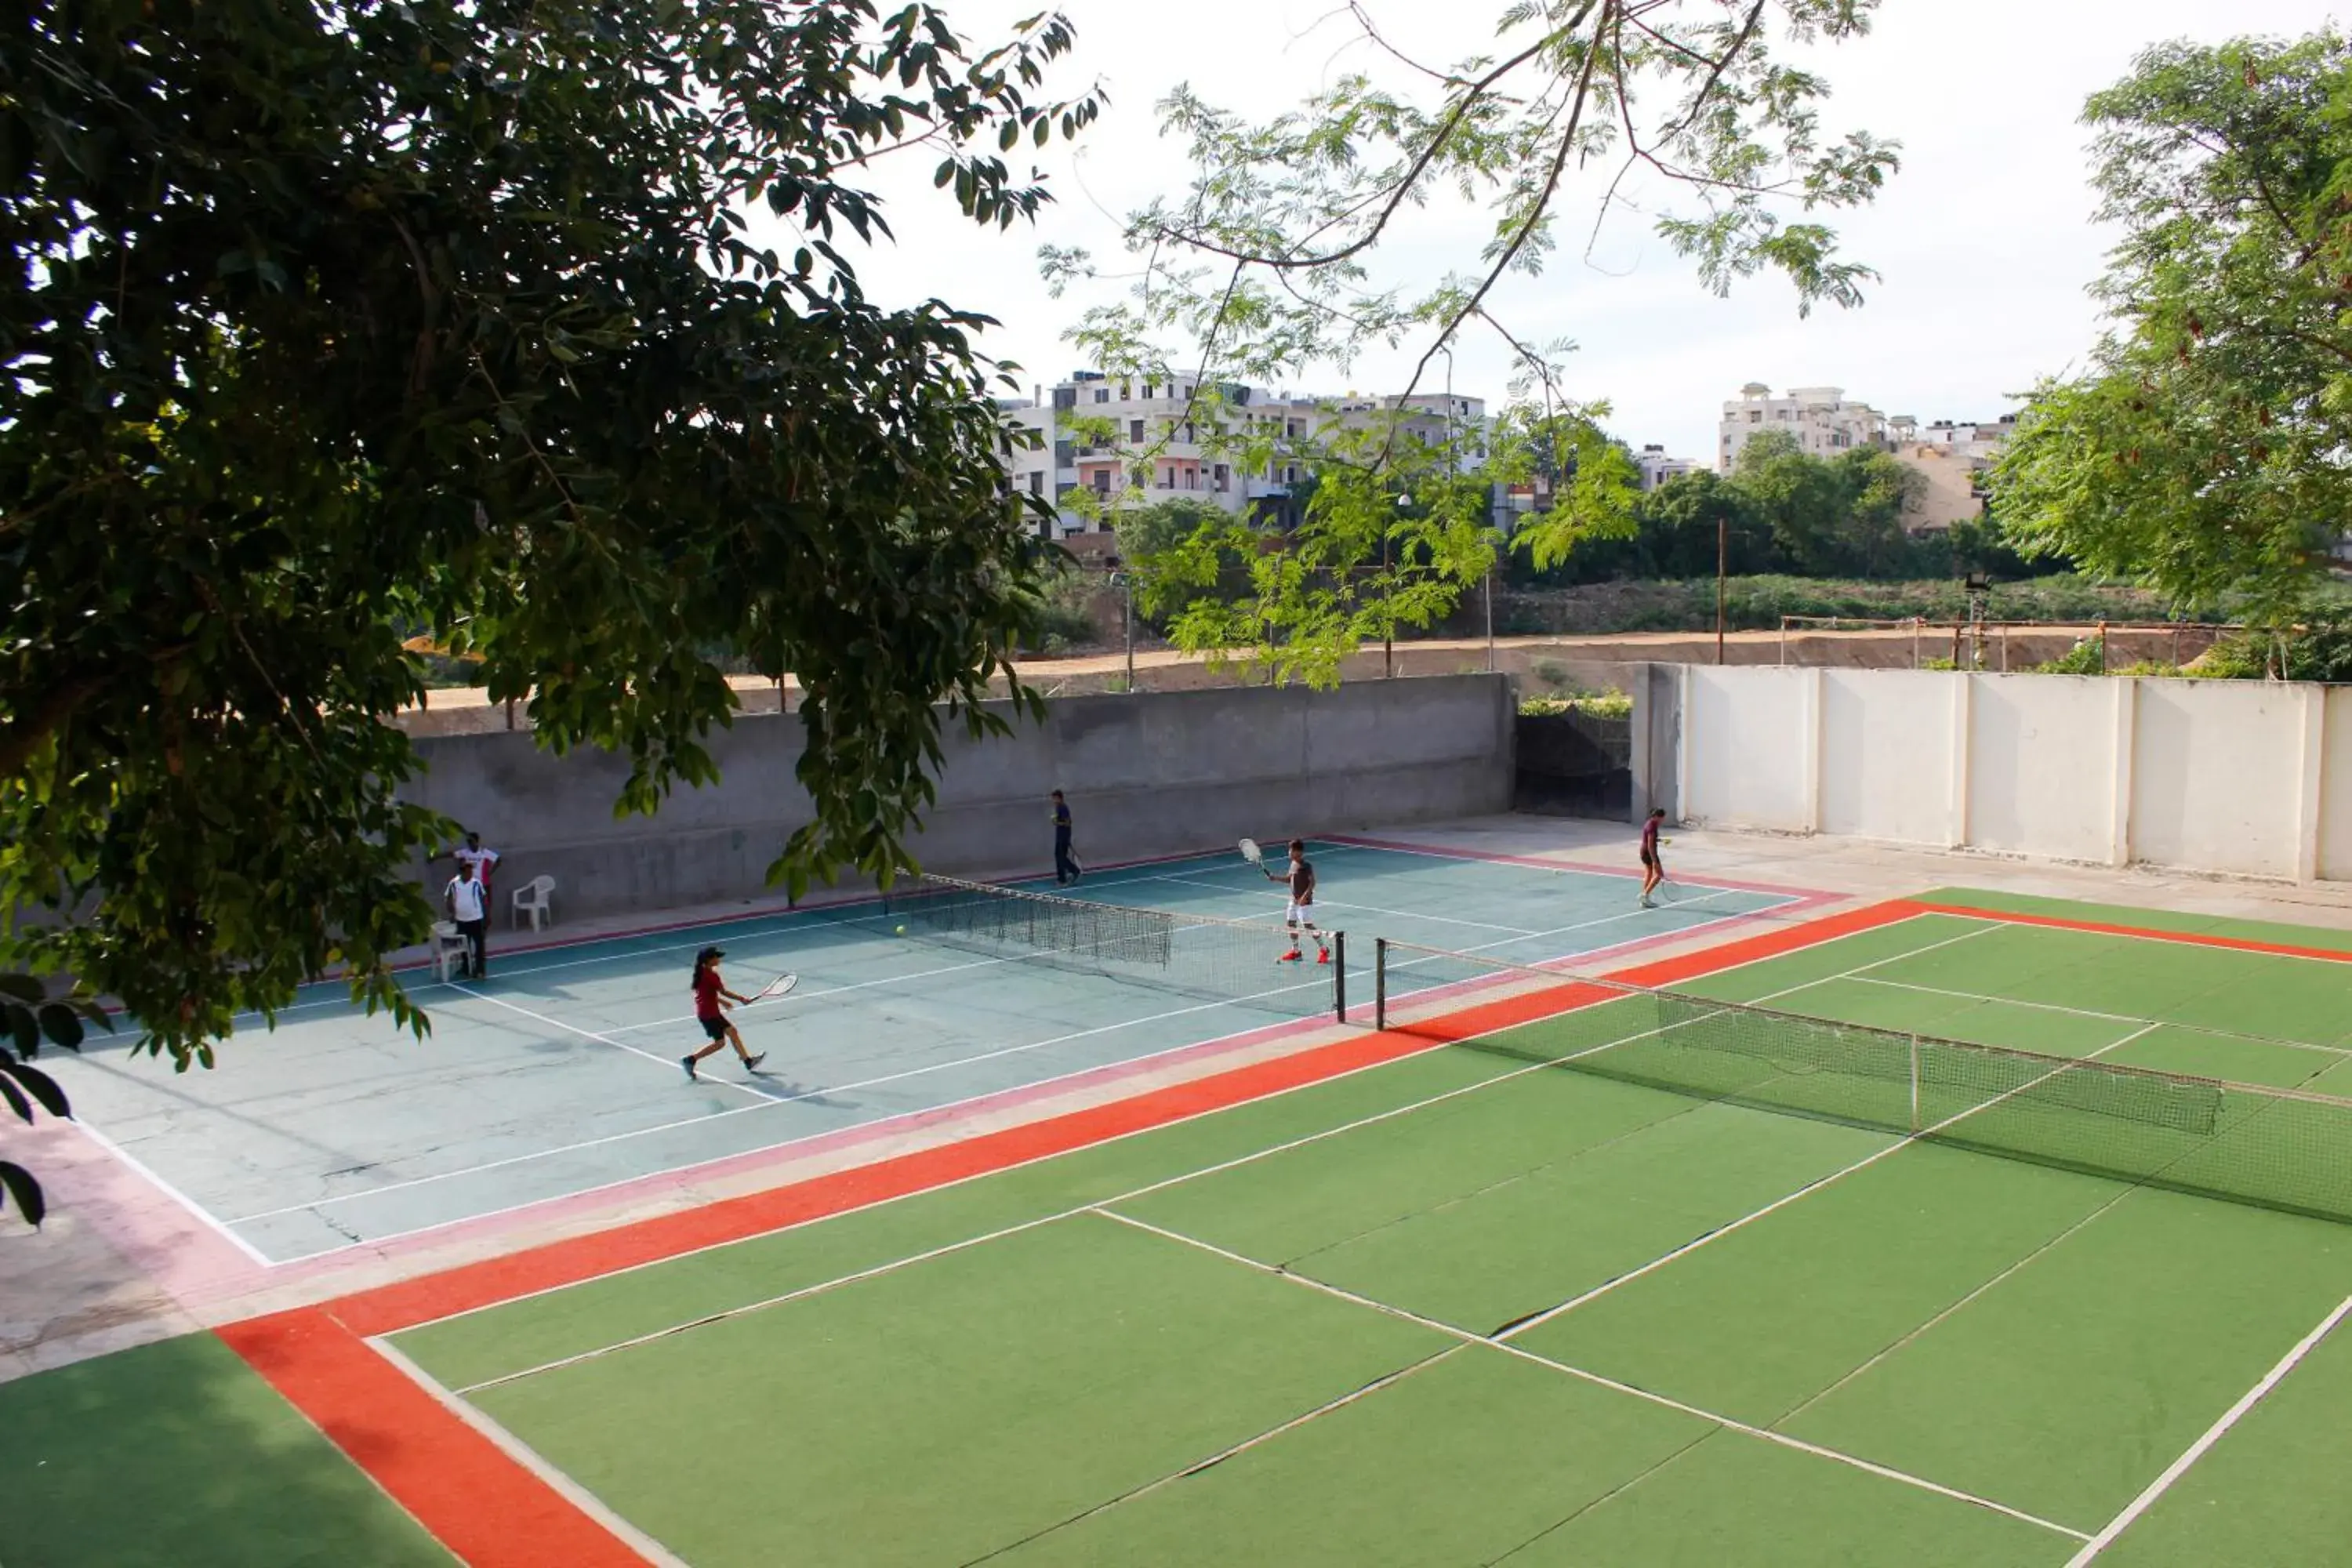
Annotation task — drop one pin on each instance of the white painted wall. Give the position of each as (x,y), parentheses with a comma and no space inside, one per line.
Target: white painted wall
(2042,764)
(2243,778)
(1886,755)
(2216,771)
(2336,786)
(1749,745)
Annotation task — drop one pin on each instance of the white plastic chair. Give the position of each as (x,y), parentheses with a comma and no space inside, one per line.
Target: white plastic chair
(532,899)
(448,948)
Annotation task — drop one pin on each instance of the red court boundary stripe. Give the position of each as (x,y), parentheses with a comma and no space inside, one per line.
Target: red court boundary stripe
(493,1512)
(2104,927)
(481,1504)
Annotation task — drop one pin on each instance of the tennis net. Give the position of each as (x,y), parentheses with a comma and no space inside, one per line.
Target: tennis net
(1199,955)
(2274,1148)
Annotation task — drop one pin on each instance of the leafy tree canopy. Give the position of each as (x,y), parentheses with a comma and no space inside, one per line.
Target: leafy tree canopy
(2208,449)
(331,322)
(1269,263)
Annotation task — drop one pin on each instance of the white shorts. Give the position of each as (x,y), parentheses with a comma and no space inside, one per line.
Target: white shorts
(1298,914)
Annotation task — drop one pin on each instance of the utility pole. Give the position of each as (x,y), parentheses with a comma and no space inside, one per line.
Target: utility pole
(1722,562)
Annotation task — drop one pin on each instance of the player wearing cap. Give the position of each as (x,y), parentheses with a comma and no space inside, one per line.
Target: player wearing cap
(712,999)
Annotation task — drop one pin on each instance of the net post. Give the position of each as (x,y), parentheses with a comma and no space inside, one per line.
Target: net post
(1381,983)
(1915,1083)
(1340,976)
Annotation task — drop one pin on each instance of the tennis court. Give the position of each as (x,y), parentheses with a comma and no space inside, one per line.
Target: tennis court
(559,1076)
(1948,1231)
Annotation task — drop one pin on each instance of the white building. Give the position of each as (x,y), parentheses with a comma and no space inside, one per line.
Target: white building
(1657,468)
(1823,420)
(1111,435)
(1951,457)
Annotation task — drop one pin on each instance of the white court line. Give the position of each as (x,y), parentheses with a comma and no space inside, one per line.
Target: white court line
(1467,1337)
(489,1166)
(1432,957)
(2115,1017)
(1120,1138)
(671,1063)
(1235,1164)
(805,995)
(529,1458)
(766,1100)
(2212,1435)
(1914,1335)
(197,1211)
(1386,1380)
(1743,1221)
(1323,903)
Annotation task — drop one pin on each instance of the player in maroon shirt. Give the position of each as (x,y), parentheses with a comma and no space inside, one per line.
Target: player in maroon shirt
(1653,870)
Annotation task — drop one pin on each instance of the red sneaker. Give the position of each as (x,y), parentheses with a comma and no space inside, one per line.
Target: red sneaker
(1323,955)
(1290,957)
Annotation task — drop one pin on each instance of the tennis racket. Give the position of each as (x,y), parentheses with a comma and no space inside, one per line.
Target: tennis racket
(1252,853)
(780,985)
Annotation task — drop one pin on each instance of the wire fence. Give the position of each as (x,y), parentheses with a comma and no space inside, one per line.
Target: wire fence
(1962,643)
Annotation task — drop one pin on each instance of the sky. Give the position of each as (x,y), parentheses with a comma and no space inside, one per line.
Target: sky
(1985,240)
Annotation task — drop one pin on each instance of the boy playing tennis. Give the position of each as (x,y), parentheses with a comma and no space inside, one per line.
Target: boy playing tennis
(1300,913)
(710,998)
(1653,870)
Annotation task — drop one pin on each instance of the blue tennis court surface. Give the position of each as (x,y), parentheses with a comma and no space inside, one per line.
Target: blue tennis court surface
(560,1074)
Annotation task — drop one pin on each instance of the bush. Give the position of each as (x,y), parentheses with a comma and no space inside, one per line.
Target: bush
(1601,705)
(2087,657)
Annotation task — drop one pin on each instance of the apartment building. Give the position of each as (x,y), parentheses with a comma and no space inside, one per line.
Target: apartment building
(1111,435)
(1656,467)
(1822,418)
(1952,457)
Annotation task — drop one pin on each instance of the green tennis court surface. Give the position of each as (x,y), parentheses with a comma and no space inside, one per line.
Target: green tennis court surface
(1515,1300)
(1474,1307)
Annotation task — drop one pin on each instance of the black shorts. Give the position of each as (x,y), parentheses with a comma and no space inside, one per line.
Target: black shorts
(1649,856)
(715,1028)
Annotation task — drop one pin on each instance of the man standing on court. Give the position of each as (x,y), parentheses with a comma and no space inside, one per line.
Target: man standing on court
(469,905)
(1065,865)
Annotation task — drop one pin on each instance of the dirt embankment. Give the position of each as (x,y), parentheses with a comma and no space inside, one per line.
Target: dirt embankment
(1542,662)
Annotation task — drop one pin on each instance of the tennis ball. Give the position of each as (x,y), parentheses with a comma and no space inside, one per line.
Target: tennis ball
(902,930)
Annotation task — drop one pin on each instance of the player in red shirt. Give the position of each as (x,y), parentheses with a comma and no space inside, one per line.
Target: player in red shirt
(711,997)
(1653,870)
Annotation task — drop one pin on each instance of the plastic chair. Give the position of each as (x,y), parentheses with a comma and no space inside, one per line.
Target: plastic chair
(449,948)
(532,899)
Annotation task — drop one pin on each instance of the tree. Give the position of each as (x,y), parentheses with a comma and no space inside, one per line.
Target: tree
(333,323)
(2204,452)
(1680,521)
(1799,497)
(1395,529)
(1264,264)
(1878,490)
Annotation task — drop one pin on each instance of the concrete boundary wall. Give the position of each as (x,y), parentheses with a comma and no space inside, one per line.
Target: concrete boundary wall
(1150,774)
(2242,778)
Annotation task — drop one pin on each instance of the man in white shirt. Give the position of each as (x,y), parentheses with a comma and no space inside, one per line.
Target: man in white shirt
(483,861)
(469,905)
